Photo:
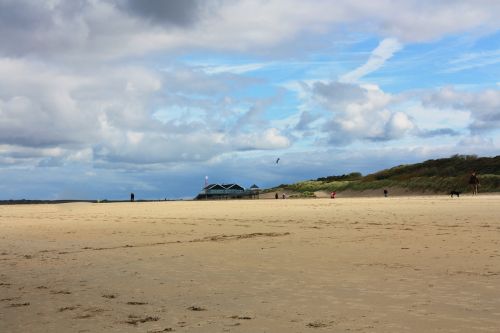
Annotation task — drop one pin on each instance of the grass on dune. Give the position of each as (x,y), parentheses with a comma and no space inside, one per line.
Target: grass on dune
(432,176)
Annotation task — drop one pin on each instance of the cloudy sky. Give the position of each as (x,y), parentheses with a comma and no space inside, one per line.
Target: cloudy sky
(100,98)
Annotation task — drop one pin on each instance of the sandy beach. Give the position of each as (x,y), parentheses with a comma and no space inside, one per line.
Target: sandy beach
(405,264)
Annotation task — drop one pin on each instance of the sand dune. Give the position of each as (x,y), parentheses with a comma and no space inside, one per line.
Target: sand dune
(405,264)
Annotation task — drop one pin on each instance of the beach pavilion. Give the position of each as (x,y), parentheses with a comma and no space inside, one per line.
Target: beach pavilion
(227,191)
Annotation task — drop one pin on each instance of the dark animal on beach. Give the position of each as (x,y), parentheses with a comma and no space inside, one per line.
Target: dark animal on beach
(452,193)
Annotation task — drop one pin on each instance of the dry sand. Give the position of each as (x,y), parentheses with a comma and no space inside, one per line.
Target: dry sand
(406,264)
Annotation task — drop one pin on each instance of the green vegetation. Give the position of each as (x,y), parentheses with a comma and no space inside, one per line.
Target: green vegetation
(305,194)
(351,176)
(432,176)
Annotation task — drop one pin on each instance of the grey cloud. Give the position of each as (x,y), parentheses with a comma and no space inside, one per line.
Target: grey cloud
(249,116)
(112,112)
(359,113)
(339,94)
(159,148)
(418,21)
(50,162)
(484,106)
(189,80)
(437,132)
(26,14)
(166,12)
(305,120)
(197,146)
(79,30)
(39,27)
(34,123)
(252,117)
(59,108)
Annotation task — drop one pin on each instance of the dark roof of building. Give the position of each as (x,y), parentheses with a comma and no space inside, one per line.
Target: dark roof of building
(254,187)
(214,187)
(232,187)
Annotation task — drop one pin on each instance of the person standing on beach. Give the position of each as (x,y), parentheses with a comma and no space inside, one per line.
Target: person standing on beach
(132,197)
(385,193)
(474,182)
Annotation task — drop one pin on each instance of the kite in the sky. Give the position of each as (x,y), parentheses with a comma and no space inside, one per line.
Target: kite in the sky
(277,160)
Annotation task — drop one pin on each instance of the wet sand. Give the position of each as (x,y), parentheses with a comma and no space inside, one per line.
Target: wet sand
(405,264)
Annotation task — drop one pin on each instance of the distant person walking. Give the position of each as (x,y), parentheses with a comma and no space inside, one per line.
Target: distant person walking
(474,182)
(132,197)
(332,195)
(276,195)
(386,193)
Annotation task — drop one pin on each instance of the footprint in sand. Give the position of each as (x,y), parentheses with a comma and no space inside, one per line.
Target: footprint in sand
(18,305)
(67,308)
(84,316)
(196,308)
(60,292)
(9,299)
(89,313)
(318,324)
(134,320)
(241,317)
(136,303)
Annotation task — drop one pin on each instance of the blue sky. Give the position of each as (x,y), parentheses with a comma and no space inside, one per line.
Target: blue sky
(100,98)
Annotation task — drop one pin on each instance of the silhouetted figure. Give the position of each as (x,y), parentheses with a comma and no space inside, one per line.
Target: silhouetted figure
(283,196)
(276,195)
(386,193)
(132,197)
(474,182)
(455,193)
(332,195)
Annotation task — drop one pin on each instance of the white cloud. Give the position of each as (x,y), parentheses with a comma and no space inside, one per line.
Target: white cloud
(473,60)
(477,142)
(383,52)
(235,69)
(433,117)
(82,31)
(408,21)
(483,106)
(127,114)
(398,125)
(360,112)
(267,140)
(364,113)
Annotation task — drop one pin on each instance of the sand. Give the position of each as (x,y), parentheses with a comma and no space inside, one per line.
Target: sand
(405,264)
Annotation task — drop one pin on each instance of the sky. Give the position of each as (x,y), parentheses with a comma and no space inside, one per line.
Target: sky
(100,98)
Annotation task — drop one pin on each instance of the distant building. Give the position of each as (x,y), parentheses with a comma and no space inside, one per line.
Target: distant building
(227,191)
(255,190)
